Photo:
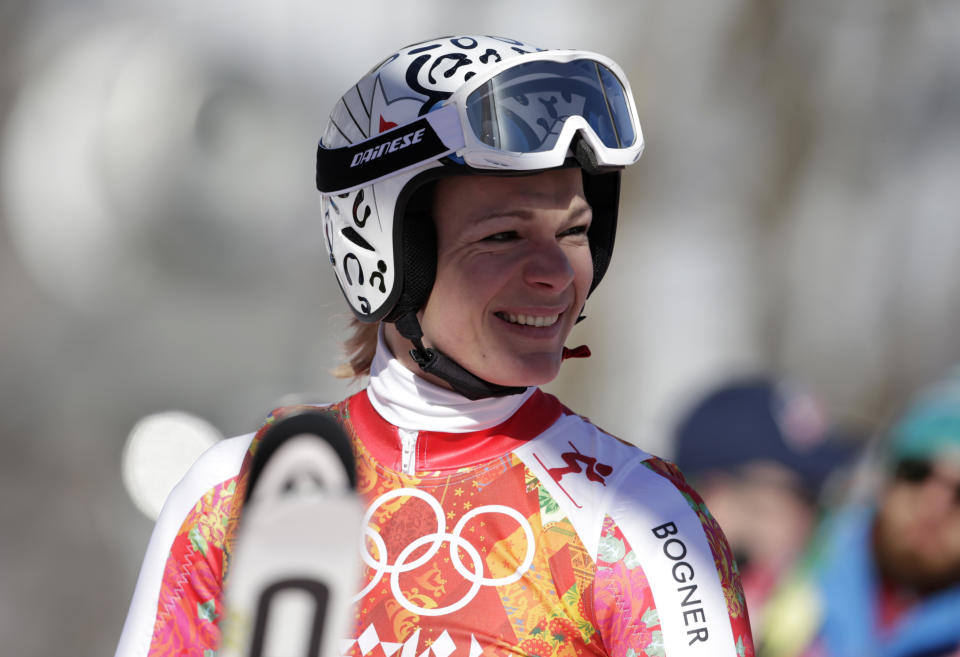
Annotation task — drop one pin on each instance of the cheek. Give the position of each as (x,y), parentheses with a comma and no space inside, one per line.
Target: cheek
(463,288)
(476,280)
(896,504)
(951,526)
(898,513)
(582,262)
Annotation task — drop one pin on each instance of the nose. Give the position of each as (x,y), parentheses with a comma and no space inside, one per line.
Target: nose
(548,265)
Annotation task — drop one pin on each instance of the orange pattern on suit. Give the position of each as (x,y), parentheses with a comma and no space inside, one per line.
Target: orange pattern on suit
(461,562)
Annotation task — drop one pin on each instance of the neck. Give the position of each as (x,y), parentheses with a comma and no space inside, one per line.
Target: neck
(399,347)
(411,401)
(439,368)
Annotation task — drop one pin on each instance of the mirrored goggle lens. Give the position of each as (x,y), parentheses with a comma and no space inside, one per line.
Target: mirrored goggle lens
(524,108)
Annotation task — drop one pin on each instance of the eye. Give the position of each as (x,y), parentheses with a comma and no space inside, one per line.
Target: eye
(580,229)
(503,236)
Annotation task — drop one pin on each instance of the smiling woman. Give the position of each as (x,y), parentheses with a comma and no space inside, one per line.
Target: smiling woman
(513,272)
(470,263)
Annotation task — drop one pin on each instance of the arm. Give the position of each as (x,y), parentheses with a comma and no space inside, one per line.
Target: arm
(665,567)
(665,580)
(175,602)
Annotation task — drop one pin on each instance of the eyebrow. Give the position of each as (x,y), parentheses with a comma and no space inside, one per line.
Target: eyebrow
(527,214)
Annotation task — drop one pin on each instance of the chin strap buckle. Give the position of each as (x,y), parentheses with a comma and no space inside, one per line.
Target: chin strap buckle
(409,327)
(425,358)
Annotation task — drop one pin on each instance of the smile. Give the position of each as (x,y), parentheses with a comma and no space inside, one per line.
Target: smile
(529,320)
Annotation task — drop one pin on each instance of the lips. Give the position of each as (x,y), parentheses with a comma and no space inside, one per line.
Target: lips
(524,319)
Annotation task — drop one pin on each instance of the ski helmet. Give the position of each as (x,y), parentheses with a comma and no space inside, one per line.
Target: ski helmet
(458,106)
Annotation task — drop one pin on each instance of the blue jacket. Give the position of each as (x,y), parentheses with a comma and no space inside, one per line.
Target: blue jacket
(841,584)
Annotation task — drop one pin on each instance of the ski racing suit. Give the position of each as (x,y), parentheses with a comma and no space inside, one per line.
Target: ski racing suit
(504,526)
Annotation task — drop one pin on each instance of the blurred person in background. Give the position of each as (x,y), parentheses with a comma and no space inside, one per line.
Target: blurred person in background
(464,286)
(761,451)
(882,578)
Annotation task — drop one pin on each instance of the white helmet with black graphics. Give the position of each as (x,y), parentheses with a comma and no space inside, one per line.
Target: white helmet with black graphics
(456,106)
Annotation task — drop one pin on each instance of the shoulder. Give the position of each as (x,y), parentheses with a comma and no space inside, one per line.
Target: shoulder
(283,412)
(188,517)
(621,467)
(633,471)
(205,491)
(609,488)
(584,469)
(219,468)
(216,468)
(217,464)
(212,484)
(577,434)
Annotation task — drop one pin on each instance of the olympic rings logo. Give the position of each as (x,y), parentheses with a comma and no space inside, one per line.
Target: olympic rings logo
(456,540)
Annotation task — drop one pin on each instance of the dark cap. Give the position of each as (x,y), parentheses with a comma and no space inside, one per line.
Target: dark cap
(760,420)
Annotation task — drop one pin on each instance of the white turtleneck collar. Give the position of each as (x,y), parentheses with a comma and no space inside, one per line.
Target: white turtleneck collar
(410,402)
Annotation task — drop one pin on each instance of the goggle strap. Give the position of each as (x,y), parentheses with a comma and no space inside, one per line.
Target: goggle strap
(429,138)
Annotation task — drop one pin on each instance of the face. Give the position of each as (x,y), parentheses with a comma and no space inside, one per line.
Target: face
(760,509)
(513,272)
(918,529)
(766,520)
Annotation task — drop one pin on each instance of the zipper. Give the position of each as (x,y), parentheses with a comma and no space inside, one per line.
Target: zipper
(408,450)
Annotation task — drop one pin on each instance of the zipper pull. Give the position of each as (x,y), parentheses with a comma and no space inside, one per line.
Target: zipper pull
(408,450)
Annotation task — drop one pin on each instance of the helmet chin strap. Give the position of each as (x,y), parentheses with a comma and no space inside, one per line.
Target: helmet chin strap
(437,363)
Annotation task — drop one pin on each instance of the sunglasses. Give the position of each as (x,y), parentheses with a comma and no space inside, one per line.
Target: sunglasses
(917,471)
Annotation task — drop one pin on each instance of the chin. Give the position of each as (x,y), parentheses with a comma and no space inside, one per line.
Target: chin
(524,373)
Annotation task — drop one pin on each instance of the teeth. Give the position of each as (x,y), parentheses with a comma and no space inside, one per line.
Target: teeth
(530,320)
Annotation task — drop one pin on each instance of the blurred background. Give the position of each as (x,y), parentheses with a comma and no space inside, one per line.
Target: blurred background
(795,213)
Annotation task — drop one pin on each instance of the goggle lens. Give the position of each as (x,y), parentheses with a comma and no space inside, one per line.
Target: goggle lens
(523,109)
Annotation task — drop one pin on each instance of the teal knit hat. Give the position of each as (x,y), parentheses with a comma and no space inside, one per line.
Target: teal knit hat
(930,425)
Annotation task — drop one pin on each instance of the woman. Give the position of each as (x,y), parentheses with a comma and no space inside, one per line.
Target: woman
(470,189)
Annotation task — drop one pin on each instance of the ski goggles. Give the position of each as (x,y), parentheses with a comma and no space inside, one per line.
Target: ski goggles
(522,115)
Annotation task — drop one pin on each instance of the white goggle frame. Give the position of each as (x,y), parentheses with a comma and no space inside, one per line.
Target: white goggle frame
(447,131)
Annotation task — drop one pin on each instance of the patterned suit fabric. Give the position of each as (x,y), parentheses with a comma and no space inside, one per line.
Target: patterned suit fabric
(527,549)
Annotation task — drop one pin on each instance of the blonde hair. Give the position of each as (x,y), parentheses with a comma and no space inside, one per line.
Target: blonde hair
(359,348)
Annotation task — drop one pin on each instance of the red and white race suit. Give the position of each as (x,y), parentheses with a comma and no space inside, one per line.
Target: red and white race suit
(506,526)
